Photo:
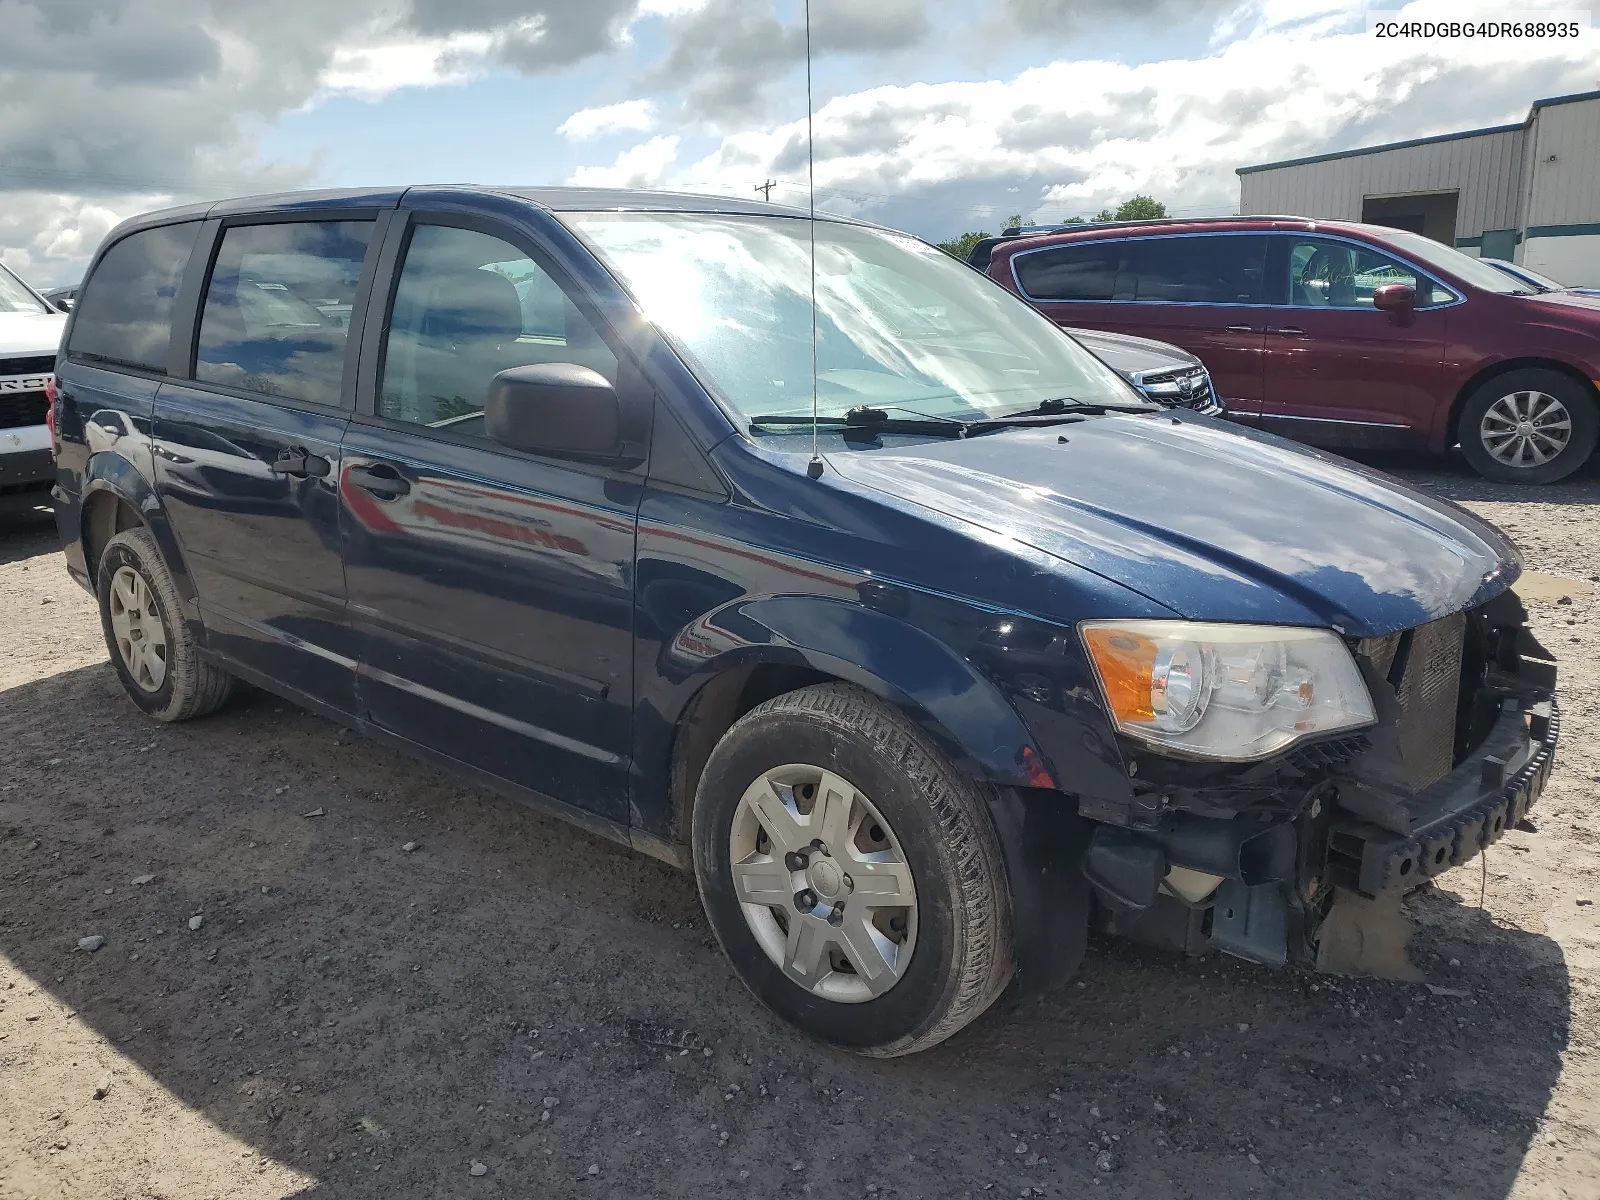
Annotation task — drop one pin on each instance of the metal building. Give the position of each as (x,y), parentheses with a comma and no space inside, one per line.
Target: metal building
(1527,192)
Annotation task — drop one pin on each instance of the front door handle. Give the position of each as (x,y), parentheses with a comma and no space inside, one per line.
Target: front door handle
(1240,329)
(300,463)
(382,480)
(1289,331)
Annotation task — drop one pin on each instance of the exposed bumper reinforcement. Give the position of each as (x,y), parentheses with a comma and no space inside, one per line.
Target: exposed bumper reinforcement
(1455,818)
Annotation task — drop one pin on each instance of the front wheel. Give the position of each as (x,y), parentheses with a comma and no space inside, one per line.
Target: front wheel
(1529,426)
(851,873)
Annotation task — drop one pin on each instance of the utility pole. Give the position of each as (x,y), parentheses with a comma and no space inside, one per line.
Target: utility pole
(766,189)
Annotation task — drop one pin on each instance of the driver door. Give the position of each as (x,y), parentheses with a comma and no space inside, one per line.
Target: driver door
(1340,372)
(492,588)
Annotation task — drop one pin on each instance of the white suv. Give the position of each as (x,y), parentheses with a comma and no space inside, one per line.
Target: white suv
(30,331)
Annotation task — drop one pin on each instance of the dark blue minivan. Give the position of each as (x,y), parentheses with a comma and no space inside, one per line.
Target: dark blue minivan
(526,483)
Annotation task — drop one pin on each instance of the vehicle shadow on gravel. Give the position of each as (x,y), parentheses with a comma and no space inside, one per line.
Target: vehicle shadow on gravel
(518,994)
(27,529)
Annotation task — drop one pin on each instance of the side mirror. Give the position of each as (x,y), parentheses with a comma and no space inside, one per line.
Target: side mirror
(554,408)
(1395,297)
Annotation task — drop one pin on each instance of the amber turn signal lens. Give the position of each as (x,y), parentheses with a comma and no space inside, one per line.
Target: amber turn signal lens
(1126,664)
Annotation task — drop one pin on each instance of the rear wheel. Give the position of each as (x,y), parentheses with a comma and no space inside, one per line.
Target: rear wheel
(851,874)
(154,655)
(1529,426)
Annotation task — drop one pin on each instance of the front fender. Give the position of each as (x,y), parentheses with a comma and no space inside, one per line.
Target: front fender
(1008,698)
(902,665)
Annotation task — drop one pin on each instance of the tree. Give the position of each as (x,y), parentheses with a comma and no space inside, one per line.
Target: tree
(961,247)
(1141,208)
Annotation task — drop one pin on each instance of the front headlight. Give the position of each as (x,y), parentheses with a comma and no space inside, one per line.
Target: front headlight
(1234,693)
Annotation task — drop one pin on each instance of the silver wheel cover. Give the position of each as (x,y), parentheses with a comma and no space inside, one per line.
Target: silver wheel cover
(137,629)
(1525,429)
(823,883)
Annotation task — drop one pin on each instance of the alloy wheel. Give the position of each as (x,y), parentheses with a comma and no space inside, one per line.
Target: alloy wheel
(1525,429)
(823,883)
(136,625)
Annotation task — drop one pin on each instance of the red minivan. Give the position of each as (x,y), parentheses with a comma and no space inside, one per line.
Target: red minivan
(1340,335)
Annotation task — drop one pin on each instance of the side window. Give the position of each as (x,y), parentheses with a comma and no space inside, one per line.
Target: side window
(1330,274)
(1079,271)
(124,313)
(1196,270)
(277,309)
(467,307)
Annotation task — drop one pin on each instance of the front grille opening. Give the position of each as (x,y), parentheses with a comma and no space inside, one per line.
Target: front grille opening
(1438,671)
(1477,708)
(22,408)
(1429,693)
(37,364)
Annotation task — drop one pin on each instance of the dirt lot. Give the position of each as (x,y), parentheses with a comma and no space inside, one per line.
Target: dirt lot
(353,1020)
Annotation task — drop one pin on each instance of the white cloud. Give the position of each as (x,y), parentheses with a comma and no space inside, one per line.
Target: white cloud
(669,8)
(373,71)
(47,238)
(110,102)
(647,165)
(1075,136)
(629,116)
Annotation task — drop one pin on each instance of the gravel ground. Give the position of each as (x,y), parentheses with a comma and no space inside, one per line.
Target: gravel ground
(290,1004)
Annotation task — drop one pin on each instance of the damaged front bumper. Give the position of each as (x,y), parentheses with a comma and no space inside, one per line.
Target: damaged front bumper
(1309,864)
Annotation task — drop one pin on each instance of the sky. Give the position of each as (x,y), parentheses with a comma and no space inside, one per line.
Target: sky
(935,116)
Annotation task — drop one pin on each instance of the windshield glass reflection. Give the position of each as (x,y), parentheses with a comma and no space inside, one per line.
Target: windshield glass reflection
(899,323)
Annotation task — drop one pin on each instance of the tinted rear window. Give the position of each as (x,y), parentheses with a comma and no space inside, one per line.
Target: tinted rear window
(124,313)
(276,316)
(1195,270)
(1081,271)
(1170,270)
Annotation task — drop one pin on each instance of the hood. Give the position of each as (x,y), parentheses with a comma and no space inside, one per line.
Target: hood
(1210,521)
(25,335)
(1128,354)
(1580,303)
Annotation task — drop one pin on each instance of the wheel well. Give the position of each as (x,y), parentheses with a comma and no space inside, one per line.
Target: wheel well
(712,712)
(105,516)
(1503,368)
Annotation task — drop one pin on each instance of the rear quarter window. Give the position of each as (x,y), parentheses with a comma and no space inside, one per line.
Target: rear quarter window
(124,313)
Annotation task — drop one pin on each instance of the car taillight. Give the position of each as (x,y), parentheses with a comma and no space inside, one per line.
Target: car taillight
(50,413)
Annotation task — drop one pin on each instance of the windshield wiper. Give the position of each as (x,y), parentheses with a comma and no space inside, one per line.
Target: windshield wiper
(870,420)
(1060,405)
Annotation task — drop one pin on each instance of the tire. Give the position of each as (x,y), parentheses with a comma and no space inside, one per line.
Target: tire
(914,813)
(165,676)
(1560,406)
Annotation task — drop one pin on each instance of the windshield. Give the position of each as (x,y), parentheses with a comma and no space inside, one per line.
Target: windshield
(899,323)
(15,297)
(1463,266)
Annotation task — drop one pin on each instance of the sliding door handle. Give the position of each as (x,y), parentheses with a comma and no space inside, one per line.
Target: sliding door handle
(300,463)
(1289,331)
